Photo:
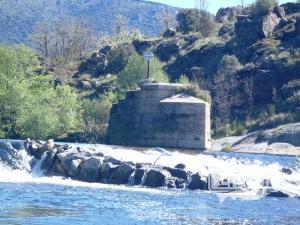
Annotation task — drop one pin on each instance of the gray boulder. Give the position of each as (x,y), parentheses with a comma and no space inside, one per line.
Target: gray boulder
(48,162)
(138,176)
(9,155)
(287,171)
(279,11)
(269,23)
(105,170)
(180,166)
(284,134)
(251,28)
(154,178)
(170,32)
(197,183)
(90,170)
(270,192)
(111,160)
(226,30)
(121,174)
(179,173)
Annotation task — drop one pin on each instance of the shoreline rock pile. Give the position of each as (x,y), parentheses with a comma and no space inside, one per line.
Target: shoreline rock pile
(91,165)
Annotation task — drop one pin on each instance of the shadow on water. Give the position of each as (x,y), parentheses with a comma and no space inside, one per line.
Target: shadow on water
(37,211)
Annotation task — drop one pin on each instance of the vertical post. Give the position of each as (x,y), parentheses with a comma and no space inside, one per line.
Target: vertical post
(148,56)
(148,70)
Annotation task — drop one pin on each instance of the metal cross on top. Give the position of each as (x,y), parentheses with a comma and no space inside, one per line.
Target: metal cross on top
(148,55)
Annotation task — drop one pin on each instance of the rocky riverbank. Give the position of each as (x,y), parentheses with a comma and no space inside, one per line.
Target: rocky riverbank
(283,140)
(97,166)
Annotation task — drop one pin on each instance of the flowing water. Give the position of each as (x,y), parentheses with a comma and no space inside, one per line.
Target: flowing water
(31,198)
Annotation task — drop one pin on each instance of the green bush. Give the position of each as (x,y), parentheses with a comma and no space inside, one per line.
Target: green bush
(119,57)
(193,89)
(263,7)
(136,70)
(30,104)
(195,20)
(96,114)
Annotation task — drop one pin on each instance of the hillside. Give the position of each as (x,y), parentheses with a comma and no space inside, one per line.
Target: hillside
(262,53)
(18,17)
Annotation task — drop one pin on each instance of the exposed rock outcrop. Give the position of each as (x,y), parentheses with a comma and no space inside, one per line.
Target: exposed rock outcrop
(251,28)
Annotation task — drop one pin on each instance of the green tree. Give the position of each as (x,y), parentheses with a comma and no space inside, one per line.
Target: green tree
(195,20)
(30,104)
(225,96)
(136,70)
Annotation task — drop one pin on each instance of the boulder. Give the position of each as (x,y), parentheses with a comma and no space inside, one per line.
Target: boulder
(111,160)
(48,162)
(197,183)
(35,148)
(85,84)
(289,133)
(225,15)
(251,28)
(9,155)
(154,178)
(269,23)
(276,194)
(170,32)
(287,171)
(138,176)
(279,11)
(179,173)
(89,170)
(167,49)
(105,170)
(175,183)
(180,166)
(121,174)
(226,30)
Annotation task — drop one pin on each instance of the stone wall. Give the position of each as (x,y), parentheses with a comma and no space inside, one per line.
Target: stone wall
(157,116)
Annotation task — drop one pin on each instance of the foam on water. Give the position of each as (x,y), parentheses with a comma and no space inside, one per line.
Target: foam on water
(240,168)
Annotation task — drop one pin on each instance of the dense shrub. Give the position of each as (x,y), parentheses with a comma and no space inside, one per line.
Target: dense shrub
(30,104)
(194,20)
(96,116)
(118,58)
(263,7)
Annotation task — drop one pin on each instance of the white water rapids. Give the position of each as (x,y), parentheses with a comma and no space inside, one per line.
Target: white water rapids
(251,169)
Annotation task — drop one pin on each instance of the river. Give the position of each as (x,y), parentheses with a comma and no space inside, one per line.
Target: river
(31,198)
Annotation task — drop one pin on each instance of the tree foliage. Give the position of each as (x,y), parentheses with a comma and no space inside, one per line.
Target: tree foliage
(136,70)
(263,7)
(194,20)
(30,104)
(225,96)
